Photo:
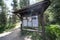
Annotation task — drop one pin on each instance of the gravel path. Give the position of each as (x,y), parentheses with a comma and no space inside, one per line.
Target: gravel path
(15,35)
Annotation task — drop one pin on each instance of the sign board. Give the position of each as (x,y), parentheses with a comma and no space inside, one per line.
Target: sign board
(30,21)
(35,21)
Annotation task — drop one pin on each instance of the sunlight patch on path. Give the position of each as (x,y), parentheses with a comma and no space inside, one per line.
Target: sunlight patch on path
(18,25)
(7,33)
(27,38)
(4,34)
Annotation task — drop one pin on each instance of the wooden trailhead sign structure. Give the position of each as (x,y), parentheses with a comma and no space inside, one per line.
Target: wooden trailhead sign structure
(32,16)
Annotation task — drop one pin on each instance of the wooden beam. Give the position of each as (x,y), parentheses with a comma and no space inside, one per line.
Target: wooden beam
(32,30)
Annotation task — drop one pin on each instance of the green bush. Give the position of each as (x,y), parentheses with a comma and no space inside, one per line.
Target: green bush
(53,32)
(2,27)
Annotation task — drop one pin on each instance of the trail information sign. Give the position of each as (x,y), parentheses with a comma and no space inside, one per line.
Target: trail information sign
(30,21)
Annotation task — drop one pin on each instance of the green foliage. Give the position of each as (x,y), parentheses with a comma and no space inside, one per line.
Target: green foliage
(34,35)
(10,24)
(4,25)
(54,10)
(15,5)
(24,3)
(53,32)
(2,16)
(1,3)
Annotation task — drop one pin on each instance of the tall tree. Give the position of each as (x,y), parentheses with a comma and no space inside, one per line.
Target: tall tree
(15,5)
(24,3)
(54,12)
(55,9)
(2,16)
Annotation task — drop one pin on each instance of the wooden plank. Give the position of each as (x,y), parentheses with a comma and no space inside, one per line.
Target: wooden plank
(32,30)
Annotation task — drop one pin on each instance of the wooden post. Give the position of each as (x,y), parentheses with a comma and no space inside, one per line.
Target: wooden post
(21,18)
(43,26)
(39,26)
(45,6)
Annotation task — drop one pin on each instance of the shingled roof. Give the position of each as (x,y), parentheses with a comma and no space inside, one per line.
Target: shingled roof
(35,8)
